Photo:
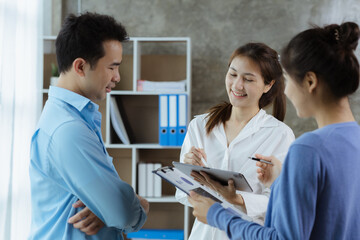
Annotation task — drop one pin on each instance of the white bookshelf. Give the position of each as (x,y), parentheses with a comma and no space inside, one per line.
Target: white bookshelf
(137,52)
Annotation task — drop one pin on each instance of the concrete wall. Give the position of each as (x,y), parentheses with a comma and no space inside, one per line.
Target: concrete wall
(217,27)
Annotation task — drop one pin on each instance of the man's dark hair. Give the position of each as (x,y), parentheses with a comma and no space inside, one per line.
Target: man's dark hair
(83,36)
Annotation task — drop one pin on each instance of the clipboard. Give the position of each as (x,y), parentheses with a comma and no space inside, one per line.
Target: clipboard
(187,184)
(219,175)
(183,182)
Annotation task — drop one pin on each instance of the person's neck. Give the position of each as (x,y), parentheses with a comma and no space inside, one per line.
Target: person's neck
(243,115)
(334,112)
(238,119)
(69,81)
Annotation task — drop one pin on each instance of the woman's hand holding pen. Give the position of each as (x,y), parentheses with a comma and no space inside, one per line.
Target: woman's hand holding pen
(195,156)
(267,173)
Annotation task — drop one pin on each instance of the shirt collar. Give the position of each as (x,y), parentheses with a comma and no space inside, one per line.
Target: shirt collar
(76,100)
(261,119)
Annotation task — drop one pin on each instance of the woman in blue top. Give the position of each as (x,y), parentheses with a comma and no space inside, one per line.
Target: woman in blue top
(317,193)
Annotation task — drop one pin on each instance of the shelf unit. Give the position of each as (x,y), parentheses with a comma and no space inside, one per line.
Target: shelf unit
(142,54)
(154,59)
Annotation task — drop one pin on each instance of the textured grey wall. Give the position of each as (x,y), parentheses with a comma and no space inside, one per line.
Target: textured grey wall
(218,27)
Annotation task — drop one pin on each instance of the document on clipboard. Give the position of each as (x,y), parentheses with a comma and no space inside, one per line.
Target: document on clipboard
(219,175)
(187,184)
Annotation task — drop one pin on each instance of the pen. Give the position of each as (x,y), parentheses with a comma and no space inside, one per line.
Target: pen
(204,162)
(261,160)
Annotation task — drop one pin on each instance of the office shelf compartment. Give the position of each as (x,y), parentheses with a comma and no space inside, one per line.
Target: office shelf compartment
(165,157)
(165,214)
(122,160)
(162,61)
(140,117)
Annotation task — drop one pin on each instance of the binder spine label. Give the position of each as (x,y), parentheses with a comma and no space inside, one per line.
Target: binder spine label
(173,118)
(163,120)
(182,123)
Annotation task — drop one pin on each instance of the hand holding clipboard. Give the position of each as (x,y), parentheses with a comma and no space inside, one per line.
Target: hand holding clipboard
(187,184)
(222,176)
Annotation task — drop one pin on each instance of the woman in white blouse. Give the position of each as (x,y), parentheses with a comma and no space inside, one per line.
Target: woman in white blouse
(229,133)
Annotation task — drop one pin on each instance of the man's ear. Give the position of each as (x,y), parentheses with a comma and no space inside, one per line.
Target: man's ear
(268,86)
(311,82)
(79,66)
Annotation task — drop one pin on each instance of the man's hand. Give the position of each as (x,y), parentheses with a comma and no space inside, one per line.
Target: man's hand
(201,206)
(267,173)
(228,192)
(144,203)
(85,220)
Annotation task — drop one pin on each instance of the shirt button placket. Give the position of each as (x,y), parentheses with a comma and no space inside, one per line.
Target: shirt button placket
(226,159)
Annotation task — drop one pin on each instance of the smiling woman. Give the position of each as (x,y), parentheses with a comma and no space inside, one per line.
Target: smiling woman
(225,137)
(255,66)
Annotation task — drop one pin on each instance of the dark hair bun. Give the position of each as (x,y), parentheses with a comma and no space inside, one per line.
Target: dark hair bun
(349,35)
(328,52)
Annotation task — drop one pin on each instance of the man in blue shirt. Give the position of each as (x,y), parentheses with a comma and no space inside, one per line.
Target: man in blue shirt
(69,163)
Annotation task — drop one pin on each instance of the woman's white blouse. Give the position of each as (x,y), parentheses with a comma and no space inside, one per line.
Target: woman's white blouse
(263,134)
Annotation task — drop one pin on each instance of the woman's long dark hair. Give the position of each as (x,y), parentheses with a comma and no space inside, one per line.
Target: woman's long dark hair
(268,62)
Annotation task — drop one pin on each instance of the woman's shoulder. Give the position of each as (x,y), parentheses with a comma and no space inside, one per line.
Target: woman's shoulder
(279,126)
(198,124)
(199,119)
(330,133)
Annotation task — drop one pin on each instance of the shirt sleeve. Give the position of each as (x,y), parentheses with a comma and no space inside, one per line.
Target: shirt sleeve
(295,193)
(292,203)
(82,163)
(277,145)
(235,227)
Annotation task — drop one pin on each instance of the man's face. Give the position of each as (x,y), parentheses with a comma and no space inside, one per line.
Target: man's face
(105,74)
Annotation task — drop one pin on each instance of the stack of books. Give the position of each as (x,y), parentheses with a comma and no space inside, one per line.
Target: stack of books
(170,87)
(148,184)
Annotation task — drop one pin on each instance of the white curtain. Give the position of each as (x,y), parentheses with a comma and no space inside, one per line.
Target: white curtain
(20,74)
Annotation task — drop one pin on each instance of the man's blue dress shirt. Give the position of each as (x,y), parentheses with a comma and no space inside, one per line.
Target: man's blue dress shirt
(69,162)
